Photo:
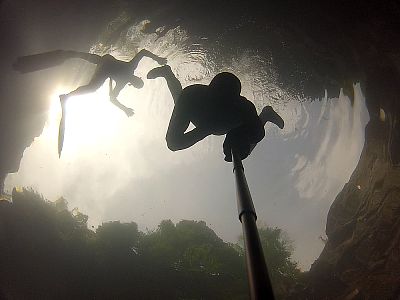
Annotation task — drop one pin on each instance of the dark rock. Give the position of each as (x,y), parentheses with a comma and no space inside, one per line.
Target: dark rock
(362,256)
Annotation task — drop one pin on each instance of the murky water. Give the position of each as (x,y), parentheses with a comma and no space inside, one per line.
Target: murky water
(327,182)
(114,168)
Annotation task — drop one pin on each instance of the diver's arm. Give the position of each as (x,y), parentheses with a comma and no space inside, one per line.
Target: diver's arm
(114,92)
(110,87)
(113,98)
(142,53)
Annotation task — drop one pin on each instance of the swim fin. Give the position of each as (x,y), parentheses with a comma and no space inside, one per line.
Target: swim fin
(36,62)
(41,61)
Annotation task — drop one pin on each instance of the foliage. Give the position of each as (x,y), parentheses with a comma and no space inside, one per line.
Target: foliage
(277,252)
(282,270)
(47,252)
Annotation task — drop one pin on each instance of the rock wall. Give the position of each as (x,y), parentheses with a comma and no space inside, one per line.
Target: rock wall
(361,259)
(29,27)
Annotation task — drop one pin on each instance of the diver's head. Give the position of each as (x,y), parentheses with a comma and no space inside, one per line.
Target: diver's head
(137,82)
(226,84)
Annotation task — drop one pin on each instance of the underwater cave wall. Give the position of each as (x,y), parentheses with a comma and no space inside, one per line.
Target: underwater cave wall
(362,255)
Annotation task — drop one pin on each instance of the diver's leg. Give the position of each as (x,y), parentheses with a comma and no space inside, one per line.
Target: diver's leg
(173,83)
(92,86)
(269,115)
(177,138)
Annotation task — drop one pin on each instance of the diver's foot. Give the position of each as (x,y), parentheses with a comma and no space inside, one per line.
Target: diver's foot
(159,72)
(271,116)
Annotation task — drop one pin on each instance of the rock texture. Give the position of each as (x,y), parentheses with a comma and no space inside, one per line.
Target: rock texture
(361,259)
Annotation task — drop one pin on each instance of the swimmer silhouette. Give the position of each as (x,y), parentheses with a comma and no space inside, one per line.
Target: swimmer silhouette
(107,67)
(216,109)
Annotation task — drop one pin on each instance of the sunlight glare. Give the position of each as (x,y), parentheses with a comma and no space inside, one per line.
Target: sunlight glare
(91,120)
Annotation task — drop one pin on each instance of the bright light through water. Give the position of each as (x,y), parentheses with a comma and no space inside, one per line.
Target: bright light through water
(117,168)
(91,121)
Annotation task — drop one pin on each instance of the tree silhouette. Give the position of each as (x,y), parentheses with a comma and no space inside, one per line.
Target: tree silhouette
(47,252)
(278,250)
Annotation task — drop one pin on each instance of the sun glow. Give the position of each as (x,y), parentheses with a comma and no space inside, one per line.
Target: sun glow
(91,120)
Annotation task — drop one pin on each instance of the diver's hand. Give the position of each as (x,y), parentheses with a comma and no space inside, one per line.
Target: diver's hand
(129,112)
(236,142)
(161,60)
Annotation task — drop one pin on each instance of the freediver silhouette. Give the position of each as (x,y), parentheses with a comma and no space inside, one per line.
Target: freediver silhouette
(122,72)
(216,109)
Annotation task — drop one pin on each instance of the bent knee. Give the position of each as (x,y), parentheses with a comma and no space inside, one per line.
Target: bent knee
(173,143)
(173,147)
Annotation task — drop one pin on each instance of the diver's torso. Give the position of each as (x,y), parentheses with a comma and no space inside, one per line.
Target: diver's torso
(210,112)
(114,68)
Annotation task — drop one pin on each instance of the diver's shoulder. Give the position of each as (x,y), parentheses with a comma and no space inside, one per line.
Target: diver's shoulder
(247,103)
(195,89)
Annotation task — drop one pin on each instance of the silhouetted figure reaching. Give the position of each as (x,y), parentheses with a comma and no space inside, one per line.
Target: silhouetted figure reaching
(119,71)
(214,109)
(122,72)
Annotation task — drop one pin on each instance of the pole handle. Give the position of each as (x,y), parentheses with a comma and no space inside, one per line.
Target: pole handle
(243,196)
(257,272)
